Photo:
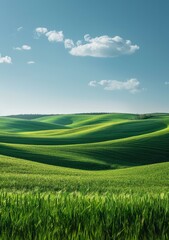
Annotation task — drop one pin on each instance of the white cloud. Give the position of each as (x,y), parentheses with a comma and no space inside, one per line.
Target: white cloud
(92,83)
(5,59)
(24,47)
(132,85)
(41,30)
(166,83)
(54,36)
(30,62)
(68,43)
(103,46)
(17,48)
(19,29)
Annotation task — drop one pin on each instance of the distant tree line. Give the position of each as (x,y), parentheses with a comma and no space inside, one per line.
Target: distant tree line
(144,116)
(30,116)
(34,116)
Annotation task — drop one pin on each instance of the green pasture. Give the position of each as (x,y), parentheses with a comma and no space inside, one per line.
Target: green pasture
(84,176)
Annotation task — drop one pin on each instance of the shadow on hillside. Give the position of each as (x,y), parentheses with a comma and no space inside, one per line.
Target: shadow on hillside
(112,132)
(111,156)
(51,160)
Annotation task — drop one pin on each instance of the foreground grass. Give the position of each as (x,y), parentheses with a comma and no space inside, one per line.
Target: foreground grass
(39,201)
(77,216)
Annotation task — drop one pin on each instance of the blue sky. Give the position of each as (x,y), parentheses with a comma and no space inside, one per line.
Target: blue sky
(62,56)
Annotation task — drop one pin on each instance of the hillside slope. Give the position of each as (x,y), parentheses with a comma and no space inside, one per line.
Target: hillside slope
(24,175)
(89,142)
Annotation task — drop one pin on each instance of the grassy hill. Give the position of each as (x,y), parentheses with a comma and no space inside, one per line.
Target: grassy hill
(21,175)
(89,142)
(84,176)
(65,146)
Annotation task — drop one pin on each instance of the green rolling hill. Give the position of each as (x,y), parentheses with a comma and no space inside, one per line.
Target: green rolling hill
(87,142)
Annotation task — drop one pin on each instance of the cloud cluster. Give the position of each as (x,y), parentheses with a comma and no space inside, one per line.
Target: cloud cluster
(132,85)
(5,59)
(100,46)
(53,36)
(103,46)
(23,47)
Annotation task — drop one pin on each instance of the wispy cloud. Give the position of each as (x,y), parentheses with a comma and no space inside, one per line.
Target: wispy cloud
(93,83)
(5,59)
(40,31)
(166,83)
(30,62)
(23,47)
(103,46)
(69,43)
(19,29)
(132,85)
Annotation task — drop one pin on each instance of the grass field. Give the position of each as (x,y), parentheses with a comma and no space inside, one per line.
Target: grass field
(84,176)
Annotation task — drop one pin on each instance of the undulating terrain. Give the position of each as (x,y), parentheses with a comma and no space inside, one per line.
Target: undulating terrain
(64,169)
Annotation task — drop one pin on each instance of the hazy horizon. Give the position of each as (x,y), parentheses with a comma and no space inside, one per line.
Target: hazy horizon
(76,113)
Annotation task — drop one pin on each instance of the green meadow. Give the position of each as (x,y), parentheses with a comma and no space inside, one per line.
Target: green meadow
(84,176)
